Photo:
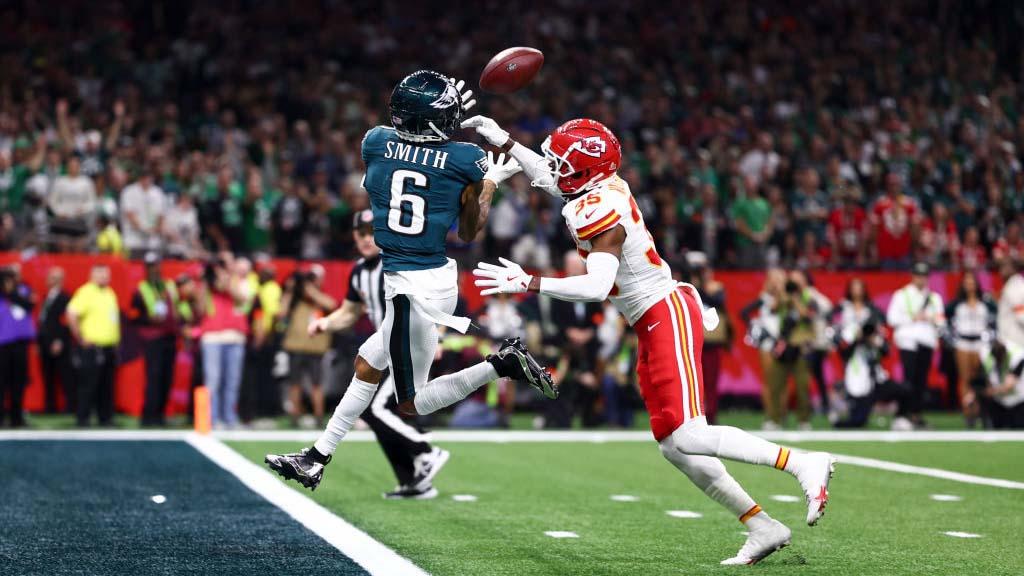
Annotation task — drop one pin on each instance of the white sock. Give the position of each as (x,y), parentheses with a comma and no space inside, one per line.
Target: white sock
(355,401)
(759,520)
(697,437)
(710,475)
(451,388)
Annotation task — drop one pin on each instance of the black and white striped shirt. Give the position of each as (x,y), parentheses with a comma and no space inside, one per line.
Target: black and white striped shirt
(366,286)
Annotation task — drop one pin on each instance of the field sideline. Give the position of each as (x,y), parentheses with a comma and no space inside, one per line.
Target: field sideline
(895,498)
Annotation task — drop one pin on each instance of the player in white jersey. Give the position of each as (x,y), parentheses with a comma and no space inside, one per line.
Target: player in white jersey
(579,164)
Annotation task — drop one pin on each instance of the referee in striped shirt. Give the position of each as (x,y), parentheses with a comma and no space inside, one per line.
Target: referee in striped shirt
(414,461)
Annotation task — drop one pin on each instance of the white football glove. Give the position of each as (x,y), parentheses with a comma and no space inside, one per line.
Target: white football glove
(509,278)
(501,168)
(487,128)
(467,97)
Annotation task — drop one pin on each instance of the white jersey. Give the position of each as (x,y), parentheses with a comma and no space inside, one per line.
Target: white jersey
(643,278)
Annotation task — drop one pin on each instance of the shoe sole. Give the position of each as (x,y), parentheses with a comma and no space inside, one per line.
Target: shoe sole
(442,459)
(769,553)
(288,473)
(824,502)
(428,495)
(538,376)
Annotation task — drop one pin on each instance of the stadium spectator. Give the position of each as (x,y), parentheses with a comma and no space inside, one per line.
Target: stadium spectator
(222,336)
(971,318)
(95,322)
(847,229)
(894,221)
(154,310)
(180,228)
(222,213)
(288,219)
(17,330)
(939,242)
(752,216)
(915,315)
(143,205)
(761,162)
(304,301)
(54,340)
(73,204)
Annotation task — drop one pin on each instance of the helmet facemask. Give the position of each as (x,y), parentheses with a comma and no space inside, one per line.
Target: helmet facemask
(558,168)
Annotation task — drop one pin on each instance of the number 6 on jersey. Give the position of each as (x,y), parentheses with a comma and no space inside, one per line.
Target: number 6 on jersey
(406,215)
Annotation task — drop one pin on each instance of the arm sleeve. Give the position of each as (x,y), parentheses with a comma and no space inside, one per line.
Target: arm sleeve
(593,286)
(534,166)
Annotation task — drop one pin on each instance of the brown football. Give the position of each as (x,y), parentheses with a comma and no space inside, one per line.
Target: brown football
(511,69)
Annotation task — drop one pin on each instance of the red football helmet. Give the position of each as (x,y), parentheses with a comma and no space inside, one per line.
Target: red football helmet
(580,153)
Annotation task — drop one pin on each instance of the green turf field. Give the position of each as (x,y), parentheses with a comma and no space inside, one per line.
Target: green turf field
(878,522)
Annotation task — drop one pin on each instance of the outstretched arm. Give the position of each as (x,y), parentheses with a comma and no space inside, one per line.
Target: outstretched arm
(534,165)
(594,286)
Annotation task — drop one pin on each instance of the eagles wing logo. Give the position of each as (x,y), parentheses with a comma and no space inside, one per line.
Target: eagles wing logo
(483,164)
(591,146)
(448,99)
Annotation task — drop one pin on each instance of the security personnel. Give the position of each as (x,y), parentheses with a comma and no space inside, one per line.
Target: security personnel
(95,322)
(154,310)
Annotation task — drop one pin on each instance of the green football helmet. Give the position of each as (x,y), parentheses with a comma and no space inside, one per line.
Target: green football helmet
(426,107)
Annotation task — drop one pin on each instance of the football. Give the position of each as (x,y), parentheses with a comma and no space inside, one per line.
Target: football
(511,70)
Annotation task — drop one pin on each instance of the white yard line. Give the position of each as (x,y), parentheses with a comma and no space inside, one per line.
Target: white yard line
(932,472)
(374,557)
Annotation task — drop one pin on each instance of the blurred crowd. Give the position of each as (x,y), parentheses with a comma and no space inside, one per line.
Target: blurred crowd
(845,134)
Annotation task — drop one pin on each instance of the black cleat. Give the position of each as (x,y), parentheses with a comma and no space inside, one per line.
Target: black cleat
(514,361)
(427,492)
(301,466)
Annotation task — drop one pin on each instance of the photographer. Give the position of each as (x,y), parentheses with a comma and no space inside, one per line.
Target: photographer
(796,311)
(303,302)
(862,346)
(763,334)
(1001,386)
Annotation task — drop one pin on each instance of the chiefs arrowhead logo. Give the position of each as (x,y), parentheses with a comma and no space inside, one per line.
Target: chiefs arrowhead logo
(591,146)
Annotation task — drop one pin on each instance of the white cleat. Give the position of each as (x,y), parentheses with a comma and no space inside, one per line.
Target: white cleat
(760,544)
(814,472)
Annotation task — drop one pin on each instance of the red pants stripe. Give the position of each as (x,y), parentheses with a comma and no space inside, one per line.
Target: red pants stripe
(670,338)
